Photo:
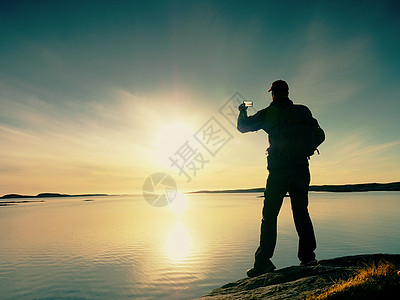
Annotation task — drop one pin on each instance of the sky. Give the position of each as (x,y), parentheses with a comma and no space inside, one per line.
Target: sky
(96,96)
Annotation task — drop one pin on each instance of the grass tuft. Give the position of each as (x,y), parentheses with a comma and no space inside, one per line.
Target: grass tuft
(375,281)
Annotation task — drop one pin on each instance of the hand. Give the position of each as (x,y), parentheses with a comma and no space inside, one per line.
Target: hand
(242,107)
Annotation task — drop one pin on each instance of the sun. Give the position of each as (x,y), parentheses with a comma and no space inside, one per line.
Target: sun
(170,139)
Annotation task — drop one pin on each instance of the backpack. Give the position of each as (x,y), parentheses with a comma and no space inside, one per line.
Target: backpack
(297,133)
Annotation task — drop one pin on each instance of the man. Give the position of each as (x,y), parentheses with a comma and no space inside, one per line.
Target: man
(287,173)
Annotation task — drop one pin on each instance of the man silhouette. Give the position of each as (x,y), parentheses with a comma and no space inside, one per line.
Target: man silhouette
(287,173)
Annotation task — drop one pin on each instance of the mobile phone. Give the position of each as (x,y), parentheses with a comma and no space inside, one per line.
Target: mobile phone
(248,103)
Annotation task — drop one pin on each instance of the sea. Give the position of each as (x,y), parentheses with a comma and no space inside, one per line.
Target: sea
(121,247)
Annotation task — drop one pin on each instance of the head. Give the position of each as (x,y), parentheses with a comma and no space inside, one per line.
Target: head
(279,88)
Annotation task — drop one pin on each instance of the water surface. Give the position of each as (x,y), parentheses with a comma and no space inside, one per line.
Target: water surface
(118,247)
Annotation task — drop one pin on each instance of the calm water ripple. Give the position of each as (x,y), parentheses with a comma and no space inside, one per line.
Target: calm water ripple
(121,247)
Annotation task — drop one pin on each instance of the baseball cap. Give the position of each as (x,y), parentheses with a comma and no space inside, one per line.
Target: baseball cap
(279,85)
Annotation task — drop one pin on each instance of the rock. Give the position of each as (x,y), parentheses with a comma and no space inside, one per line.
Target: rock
(300,282)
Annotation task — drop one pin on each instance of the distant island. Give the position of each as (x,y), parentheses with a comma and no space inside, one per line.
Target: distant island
(47,195)
(364,187)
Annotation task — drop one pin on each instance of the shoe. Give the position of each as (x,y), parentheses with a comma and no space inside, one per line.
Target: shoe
(309,263)
(254,272)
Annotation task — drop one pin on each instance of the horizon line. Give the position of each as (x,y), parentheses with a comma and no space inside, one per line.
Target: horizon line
(325,187)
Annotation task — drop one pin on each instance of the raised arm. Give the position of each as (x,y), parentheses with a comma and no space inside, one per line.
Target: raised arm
(252,123)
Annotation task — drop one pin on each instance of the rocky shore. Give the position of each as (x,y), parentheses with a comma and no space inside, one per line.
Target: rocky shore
(374,276)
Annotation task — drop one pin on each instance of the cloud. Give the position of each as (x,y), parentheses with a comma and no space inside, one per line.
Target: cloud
(108,142)
(48,145)
(357,157)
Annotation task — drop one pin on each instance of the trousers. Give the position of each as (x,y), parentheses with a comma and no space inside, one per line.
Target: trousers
(296,182)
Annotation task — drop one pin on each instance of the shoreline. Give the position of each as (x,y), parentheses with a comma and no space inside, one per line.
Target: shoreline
(48,195)
(340,188)
(345,188)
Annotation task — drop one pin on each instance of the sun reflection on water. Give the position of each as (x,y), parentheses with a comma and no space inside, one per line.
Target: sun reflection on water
(178,243)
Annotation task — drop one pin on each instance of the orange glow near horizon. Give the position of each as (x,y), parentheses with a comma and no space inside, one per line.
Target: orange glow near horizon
(138,140)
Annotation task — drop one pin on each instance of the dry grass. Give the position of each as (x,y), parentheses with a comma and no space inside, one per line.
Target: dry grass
(376,281)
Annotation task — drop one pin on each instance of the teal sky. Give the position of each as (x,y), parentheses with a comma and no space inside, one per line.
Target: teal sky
(97,95)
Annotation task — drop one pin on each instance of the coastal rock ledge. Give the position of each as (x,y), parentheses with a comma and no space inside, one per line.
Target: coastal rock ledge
(371,276)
